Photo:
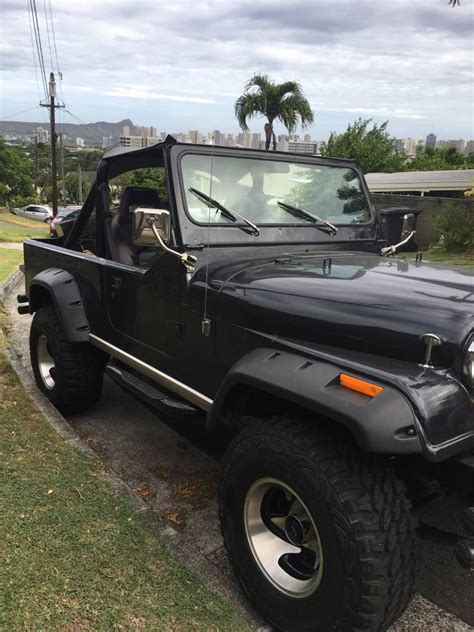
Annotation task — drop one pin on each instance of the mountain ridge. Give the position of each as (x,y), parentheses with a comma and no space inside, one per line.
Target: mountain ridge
(72,130)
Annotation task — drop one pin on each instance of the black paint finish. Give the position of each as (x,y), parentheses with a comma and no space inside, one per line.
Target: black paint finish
(332,301)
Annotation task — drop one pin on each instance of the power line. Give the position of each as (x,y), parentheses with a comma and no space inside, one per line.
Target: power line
(47,32)
(39,45)
(4,118)
(101,135)
(60,74)
(34,56)
(54,40)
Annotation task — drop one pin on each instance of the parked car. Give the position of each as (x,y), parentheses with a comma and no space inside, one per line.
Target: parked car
(261,291)
(66,214)
(37,212)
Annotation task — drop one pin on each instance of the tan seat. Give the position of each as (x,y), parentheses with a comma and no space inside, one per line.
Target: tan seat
(122,248)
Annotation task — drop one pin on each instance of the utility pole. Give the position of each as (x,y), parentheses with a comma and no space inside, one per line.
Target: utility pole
(63,190)
(79,171)
(52,105)
(54,171)
(36,153)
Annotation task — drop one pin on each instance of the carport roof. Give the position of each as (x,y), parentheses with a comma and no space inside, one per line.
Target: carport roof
(455,180)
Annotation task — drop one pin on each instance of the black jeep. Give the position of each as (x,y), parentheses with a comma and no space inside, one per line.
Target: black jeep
(258,287)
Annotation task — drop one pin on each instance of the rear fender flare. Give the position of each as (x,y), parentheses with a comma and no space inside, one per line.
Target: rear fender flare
(382,424)
(59,287)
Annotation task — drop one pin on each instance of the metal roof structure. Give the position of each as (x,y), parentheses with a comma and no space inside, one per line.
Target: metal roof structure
(421,181)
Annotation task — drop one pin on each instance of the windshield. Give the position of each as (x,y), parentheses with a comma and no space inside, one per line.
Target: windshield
(254,187)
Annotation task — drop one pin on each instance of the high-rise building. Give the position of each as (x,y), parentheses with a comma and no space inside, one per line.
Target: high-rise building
(399,144)
(256,140)
(139,142)
(307,138)
(457,144)
(469,148)
(194,136)
(244,139)
(410,145)
(126,130)
(285,143)
(217,138)
(42,135)
(430,142)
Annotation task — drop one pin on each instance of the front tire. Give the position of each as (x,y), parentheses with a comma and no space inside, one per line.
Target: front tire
(320,535)
(69,374)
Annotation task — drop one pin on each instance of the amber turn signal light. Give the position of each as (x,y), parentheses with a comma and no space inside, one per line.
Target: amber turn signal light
(355,384)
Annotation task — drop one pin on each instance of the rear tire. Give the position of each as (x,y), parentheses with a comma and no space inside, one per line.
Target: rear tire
(69,374)
(347,514)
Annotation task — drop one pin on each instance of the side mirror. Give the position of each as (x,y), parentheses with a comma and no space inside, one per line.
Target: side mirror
(142,231)
(408,224)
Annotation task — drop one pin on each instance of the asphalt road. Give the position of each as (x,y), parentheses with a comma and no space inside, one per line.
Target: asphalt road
(174,468)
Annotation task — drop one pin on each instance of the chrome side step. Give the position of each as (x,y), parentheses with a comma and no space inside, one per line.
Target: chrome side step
(168,382)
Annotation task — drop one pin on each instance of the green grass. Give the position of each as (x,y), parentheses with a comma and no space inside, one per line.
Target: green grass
(6,216)
(9,260)
(14,233)
(17,229)
(73,554)
(465,258)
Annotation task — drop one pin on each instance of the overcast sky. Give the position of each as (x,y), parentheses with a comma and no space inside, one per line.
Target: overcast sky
(179,65)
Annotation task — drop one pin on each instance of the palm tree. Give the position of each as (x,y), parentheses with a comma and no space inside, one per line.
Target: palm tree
(282,101)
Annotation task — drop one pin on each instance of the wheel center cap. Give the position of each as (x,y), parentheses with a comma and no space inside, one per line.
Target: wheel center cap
(294,530)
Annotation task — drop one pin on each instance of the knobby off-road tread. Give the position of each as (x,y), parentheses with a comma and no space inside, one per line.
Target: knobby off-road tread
(79,366)
(373,517)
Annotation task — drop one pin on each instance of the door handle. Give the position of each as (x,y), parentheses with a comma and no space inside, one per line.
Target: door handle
(116,283)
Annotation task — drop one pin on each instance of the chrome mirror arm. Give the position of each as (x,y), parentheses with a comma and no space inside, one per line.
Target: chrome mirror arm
(391,250)
(187,260)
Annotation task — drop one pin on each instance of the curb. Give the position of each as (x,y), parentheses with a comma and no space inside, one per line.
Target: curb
(184,550)
(6,288)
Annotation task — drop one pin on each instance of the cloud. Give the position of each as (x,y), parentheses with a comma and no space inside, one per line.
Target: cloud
(143,93)
(183,63)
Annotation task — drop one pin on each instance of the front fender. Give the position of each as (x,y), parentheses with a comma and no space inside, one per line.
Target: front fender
(383,424)
(59,287)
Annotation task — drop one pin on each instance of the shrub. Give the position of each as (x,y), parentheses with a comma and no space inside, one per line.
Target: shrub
(455,224)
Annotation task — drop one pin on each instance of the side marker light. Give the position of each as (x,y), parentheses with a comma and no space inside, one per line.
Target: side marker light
(361,386)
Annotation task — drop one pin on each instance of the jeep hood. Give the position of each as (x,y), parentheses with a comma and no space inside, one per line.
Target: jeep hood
(355,301)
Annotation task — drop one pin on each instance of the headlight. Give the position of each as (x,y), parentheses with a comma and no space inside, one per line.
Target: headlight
(468,366)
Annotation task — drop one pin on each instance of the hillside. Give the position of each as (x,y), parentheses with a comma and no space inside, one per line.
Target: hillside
(103,128)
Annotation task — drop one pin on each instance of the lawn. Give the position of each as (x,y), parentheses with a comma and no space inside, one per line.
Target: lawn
(73,554)
(6,216)
(13,228)
(9,260)
(465,258)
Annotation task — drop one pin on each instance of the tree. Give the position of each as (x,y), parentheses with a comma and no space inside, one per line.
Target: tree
(275,101)
(17,176)
(436,159)
(374,149)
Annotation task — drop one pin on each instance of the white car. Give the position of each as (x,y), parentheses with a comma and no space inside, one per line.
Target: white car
(40,213)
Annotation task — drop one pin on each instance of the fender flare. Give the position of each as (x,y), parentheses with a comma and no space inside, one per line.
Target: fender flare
(382,424)
(66,297)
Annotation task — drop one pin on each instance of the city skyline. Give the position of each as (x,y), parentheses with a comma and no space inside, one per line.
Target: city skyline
(144,136)
(407,62)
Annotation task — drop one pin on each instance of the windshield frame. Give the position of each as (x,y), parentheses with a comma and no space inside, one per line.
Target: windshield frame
(291,232)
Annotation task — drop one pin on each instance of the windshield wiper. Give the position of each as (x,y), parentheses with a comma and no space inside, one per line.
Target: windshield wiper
(232,215)
(299,212)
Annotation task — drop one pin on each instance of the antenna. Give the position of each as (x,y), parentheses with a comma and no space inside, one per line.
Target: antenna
(206,322)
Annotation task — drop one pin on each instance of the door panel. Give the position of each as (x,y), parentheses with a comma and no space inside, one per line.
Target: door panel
(143,306)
